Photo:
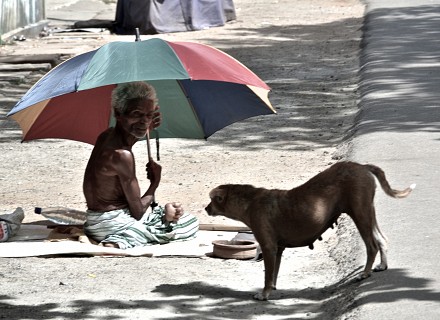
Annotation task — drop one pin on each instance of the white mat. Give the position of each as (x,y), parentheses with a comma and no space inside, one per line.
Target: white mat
(29,243)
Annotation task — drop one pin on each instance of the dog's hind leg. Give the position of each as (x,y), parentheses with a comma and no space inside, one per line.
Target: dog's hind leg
(380,242)
(383,246)
(365,223)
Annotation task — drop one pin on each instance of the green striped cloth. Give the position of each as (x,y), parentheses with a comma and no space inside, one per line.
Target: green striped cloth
(118,226)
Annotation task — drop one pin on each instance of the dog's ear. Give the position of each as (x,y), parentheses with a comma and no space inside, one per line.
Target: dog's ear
(218,195)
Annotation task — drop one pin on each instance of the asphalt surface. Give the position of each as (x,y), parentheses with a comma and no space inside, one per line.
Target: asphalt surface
(398,129)
(62,11)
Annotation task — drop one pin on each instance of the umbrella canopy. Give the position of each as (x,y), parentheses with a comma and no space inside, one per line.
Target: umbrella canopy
(200,90)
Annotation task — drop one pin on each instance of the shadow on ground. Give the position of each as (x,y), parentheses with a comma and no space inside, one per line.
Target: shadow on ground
(225,303)
(400,71)
(395,285)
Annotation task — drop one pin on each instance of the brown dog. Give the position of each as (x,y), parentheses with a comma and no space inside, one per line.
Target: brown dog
(283,219)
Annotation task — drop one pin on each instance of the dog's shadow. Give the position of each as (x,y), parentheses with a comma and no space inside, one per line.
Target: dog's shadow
(201,300)
(236,304)
(336,299)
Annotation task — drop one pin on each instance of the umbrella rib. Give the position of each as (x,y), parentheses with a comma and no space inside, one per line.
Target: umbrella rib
(192,107)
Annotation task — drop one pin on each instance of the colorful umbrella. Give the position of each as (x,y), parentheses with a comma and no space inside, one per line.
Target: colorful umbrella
(200,89)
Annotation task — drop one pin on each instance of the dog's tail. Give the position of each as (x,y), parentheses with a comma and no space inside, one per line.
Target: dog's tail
(380,175)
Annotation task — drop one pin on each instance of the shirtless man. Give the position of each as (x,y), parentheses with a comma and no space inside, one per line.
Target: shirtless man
(111,188)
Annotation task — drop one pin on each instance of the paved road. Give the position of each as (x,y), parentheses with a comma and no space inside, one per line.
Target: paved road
(399,129)
(69,11)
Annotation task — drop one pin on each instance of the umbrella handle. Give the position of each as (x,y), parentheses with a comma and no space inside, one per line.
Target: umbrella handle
(157,145)
(147,139)
(153,203)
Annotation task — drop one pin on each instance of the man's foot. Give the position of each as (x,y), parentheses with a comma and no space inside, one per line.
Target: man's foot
(111,245)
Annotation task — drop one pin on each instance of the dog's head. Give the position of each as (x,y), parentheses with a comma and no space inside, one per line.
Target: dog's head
(230,200)
(218,200)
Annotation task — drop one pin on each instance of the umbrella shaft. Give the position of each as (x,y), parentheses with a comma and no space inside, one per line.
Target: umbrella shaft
(153,203)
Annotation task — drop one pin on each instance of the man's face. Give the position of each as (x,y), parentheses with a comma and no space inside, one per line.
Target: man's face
(137,119)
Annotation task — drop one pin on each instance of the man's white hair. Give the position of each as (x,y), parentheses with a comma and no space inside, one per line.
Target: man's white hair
(125,92)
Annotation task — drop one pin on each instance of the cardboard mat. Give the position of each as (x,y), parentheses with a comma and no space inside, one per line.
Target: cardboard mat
(30,242)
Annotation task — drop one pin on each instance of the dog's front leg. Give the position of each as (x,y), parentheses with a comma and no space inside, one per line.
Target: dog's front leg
(277,266)
(270,257)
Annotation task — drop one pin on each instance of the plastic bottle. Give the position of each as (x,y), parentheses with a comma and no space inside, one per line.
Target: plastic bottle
(10,224)
(62,215)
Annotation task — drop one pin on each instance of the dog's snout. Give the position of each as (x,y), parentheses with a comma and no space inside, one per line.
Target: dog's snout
(208,209)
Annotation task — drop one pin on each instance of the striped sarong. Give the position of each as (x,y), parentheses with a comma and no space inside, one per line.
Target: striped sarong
(118,226)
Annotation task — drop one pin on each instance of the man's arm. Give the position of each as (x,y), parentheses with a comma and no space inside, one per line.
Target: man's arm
(124,165)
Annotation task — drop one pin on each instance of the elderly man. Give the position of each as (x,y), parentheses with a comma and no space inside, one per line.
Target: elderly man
(118,215)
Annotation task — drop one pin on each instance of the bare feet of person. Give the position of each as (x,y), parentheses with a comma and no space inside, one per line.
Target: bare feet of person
(173,211)
(111,245)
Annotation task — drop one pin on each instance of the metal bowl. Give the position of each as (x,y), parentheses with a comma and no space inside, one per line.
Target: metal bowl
(235,249)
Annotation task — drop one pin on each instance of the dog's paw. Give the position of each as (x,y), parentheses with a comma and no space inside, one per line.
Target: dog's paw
(380,268)
(362,276)
(260,296)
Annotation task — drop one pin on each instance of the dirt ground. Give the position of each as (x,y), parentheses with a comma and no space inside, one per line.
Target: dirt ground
(307,51)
